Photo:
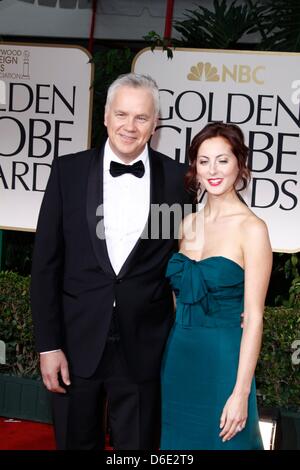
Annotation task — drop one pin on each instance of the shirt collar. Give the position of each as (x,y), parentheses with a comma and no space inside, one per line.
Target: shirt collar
(110,156)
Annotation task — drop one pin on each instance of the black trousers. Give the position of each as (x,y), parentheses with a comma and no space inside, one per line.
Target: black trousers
(134,408)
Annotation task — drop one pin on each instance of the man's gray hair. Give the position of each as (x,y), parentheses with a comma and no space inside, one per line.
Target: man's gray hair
(134,80)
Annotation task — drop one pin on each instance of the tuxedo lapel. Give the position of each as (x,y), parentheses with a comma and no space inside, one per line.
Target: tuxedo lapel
(94,211)
(156,197)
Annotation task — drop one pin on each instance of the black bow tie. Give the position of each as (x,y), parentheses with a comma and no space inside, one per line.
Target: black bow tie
(118,169)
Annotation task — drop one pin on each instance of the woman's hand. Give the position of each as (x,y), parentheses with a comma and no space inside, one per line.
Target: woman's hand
(234,416)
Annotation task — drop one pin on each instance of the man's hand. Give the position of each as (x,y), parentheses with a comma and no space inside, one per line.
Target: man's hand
(53,365)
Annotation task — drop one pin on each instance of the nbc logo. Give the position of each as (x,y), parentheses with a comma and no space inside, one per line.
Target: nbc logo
(210,73)
(205,71)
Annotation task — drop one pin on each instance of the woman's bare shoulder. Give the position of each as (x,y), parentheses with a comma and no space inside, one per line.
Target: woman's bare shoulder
(251,223)
(254,234)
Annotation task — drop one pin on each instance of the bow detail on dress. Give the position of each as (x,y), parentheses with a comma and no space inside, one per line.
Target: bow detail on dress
(187,279)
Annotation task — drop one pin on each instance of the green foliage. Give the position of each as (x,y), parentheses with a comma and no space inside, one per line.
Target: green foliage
(155,40)
(289,266)
(225,25)
(16,326)
(18,248)
(294,299)
(221,28)
(109,64)
(281,24)
(278,379)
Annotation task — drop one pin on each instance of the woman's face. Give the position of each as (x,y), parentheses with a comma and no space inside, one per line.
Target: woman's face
(217,166)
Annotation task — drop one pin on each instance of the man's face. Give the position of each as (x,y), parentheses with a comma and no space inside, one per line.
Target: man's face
(130,120)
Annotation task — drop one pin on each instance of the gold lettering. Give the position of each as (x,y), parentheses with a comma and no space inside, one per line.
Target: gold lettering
(227,72)
(244,74)
(254,75)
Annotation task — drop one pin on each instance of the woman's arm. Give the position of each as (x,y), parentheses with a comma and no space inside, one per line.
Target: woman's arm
(257,264)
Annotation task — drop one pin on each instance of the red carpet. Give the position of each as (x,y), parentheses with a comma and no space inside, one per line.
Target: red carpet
(28,435)
(25,435)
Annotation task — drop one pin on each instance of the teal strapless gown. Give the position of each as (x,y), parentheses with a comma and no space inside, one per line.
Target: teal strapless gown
(201,358)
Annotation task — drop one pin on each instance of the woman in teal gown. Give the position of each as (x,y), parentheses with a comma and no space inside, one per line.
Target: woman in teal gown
(221,272)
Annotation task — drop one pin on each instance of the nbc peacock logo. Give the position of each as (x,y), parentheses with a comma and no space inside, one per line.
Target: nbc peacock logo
(204,71)
(239,73)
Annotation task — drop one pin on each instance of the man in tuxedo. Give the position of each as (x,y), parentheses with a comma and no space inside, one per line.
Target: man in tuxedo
(101,305)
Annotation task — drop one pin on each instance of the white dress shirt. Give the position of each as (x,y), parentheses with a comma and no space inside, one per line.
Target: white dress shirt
(126,200)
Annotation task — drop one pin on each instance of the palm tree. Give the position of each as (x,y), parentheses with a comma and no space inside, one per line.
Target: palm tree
(220,28)
(280,20)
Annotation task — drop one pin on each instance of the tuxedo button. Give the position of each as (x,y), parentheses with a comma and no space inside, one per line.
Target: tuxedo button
(119,281)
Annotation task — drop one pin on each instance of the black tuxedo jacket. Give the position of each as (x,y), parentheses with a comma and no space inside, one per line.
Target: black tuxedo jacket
(73,284)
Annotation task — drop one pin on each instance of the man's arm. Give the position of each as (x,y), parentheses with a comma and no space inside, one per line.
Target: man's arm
(46,284)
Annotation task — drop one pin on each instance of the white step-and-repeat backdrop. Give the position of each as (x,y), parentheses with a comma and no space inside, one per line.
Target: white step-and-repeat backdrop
(45,112)
(260,92)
